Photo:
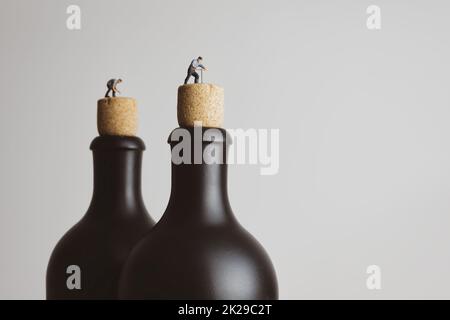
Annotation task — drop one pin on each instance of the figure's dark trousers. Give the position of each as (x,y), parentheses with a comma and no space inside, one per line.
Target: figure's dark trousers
(191,72)
(109,90)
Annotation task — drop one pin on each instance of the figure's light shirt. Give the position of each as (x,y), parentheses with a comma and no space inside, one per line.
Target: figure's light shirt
(196,64)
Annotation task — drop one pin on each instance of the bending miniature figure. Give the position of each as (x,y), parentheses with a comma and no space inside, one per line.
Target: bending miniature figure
(112,86)
(196,64)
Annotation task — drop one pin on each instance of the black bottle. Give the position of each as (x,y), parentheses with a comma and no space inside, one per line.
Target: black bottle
(86,263)
(198,250)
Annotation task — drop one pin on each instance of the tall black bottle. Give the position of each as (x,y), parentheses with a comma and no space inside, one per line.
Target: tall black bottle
(86,263)
(198,250)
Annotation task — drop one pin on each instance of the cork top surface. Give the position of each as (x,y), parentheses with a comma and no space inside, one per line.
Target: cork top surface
(115,100)
(202,86)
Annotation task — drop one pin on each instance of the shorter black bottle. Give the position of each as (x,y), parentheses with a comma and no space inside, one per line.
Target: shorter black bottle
(87,262)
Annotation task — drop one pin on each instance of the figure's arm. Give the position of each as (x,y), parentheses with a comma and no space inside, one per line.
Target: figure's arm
(115,87)
(202,67)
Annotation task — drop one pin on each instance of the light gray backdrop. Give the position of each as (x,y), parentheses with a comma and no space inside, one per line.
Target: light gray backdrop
(363,116)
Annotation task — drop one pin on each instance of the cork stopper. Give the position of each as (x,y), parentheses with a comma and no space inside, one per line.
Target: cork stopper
(200,102)
(117,116)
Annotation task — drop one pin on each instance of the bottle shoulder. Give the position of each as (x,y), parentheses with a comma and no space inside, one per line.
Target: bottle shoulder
(208,262)
(200,243)
(94,237)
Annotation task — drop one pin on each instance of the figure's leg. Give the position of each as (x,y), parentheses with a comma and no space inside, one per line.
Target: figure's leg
(114,93)
(107,93)
(187,78)
(195,74)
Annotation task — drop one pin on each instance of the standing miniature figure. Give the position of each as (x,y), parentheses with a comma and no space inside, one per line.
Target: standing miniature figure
(111,85)
(196,64)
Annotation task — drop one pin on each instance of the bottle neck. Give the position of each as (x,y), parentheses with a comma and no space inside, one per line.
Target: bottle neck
(199,190)
(117,176)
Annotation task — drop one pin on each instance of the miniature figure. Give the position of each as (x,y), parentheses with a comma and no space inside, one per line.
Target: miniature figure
(111,85)
(196,64)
